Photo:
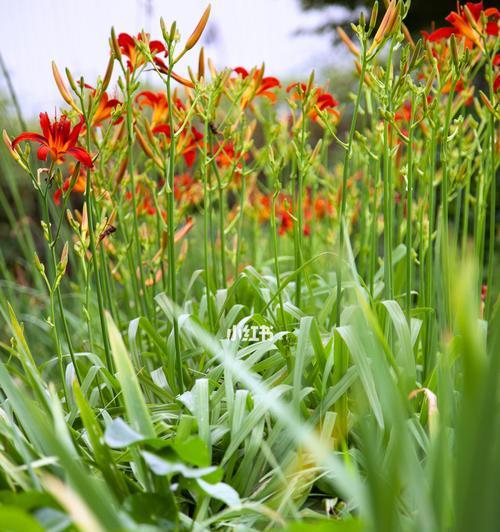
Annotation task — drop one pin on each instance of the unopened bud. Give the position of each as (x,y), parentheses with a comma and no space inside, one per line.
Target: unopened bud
(173,32)
(200,27)
(201,64)
(347,41)
(62,88)
(107,75)
(164,31)
(115,46)
(454,51)
(373,17)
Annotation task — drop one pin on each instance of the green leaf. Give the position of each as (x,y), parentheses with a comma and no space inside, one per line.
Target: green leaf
(220,491)
(13,519)
(119,435)
(163,467)
(192,450)
(137,412)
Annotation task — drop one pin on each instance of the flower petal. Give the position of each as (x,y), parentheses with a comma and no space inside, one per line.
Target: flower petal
(81,155)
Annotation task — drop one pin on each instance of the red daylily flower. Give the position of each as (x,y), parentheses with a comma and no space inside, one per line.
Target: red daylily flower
(227,156)
(187,143)
(320,101)
(136,58)
(144,199)
(79,186)
(187,190)
(462,27)
(260,85)
(58,139)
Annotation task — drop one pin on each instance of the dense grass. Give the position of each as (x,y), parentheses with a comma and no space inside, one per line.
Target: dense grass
(357,238)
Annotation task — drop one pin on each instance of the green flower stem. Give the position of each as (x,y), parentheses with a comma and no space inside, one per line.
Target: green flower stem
(131,170)
(59,299)
(388,186)
(345,177)
(222,215)
(206,230)
(89,195)
(171,228)
(409,210)
(444,201)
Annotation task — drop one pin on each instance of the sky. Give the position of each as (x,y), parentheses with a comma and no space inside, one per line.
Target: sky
(75,34)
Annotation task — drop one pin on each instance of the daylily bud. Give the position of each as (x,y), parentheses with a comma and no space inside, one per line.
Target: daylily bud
(84,224)
(71,81)
(373,17)
(250,131)
(181,80)
(362,19)
(416,55)
(201,64)
(121,171)
(62,88)
(64,259)
(211,67)
(195,36)
(147,148)
(164,31)
(470,18)
(347,41)
(486,102)
(310,82)
(454,52)
(108,74)
(173,32)
(316,150)
(387,24)
(191,75)
(115,46)
(38,265)
(12,151)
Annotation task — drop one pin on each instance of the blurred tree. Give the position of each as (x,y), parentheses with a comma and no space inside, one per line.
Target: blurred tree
(422,12)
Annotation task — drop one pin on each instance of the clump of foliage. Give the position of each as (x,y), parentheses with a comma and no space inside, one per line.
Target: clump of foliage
(240,315)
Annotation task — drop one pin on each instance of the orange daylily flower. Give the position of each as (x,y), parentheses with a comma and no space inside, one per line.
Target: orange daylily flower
(136,58)
(104,108)
(461,26)
(260,85)
(58,139)
(159,105)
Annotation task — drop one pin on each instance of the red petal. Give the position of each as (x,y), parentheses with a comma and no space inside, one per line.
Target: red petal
(156,47)
(162,128)
(440,34)
(475,9)
(492,28)
(42,153)
(45,124)
(189,157)
(243,72)
(81,155)
(57,196)
(125,40)
(36,137)
(269,82)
